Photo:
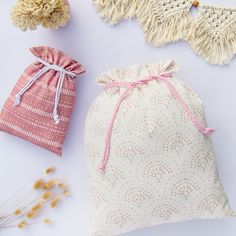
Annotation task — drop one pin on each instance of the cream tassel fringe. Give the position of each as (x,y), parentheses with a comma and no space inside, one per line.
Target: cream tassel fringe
(217,49)
(113,11)
(159,27)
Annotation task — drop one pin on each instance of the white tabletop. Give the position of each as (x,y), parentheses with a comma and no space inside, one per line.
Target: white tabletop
(100,47)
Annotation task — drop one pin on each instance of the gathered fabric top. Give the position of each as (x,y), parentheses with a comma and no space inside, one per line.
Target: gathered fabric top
(57,57)
(212,34)
(137,72)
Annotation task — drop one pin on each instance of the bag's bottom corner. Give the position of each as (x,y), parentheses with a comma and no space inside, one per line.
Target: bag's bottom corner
(153,223)
(13,132)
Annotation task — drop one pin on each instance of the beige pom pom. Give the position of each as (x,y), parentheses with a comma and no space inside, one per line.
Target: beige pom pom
(39,7)
(23,19)
(58,17)
(28,14)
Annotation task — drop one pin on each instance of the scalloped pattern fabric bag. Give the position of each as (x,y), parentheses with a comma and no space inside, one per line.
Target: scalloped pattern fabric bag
(150,158)
(40,106)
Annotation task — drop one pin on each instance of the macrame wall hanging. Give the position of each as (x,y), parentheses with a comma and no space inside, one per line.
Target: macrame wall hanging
(212,34)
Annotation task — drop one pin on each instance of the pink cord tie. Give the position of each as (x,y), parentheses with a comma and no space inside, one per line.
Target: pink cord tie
(164,77)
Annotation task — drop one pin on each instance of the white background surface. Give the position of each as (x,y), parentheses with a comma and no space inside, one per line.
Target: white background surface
(100,47)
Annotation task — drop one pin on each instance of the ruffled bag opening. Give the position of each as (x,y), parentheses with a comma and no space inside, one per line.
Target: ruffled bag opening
(57,57)
(137,72)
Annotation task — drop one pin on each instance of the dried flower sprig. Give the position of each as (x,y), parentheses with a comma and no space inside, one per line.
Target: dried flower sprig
(49,170)
(28,204)
(29,14)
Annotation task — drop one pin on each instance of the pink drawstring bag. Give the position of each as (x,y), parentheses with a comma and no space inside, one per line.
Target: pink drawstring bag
(40,105)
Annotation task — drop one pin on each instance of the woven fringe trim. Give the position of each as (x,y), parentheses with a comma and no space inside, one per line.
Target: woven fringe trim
(113,11)
(158,28)
(216,50)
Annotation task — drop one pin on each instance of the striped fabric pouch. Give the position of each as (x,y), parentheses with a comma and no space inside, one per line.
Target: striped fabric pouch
(40,105)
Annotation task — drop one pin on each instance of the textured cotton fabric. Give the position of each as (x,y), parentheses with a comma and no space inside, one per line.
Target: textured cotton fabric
(33,120)
(161,169)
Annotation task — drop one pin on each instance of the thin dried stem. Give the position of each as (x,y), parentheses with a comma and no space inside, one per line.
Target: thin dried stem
(22,207)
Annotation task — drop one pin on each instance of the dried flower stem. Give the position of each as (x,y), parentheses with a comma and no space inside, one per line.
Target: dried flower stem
(16,225)
(3,205)
(25,204)
(27,209)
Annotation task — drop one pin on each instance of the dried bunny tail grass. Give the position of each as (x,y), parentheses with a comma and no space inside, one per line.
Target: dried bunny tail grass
(114,11)
(26,205)
(22,225)
(32,214)
(217,48)
(23,19)
(47,221)
(62,186)
(49,170)
(47,195)
(54,201)
(30,209)
(162,27)
(37,207)
(17,212)
(38,184)
(59,17)
(50,184)
(66,193)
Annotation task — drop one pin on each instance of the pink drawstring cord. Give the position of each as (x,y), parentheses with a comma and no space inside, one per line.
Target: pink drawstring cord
(130,86)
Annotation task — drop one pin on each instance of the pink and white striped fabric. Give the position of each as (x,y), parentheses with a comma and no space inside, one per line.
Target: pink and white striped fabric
(51,90)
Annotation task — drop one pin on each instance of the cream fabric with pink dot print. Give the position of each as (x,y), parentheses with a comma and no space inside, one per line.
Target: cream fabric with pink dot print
(149,154)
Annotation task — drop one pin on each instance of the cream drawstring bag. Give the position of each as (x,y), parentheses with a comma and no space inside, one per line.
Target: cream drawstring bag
(150,158)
